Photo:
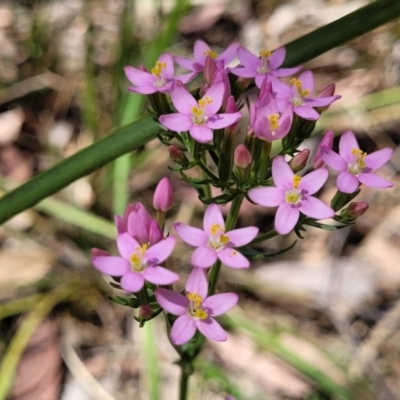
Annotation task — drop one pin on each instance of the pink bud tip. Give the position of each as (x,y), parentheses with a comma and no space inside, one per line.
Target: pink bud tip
(98,253)
(355,210)
(326,142)
(163,198)
(299,161)
(145,311)
(242,156)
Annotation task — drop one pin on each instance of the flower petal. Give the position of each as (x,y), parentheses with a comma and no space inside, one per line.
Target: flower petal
(379,158)
(281,173)
(219,121)
(233,258)
(200,47)
(315,208)
(306,112)
(277,58)
(160,275)
(267,196)
(185,63)
(211,329)
(137,228)
(333,160)
(203,257)
(248,59)
(190,235)
(168,72)
(347,143)
(139,77)
(176,122)
(286,218)
(132,281)
(126,245)
(183,330)
(201,133)
(212,216)
(197,282)
(182,99)
(242,236)
(145,88)
(173,302)
(160,251)
(314,181)
(219,304)
(347,182)
(228,54)
(374,181)
(307,81)
(111,265)
(216,94)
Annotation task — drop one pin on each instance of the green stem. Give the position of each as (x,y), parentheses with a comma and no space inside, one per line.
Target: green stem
(341,31)
(206,173)
(86,161)
(264,236)
(184,383)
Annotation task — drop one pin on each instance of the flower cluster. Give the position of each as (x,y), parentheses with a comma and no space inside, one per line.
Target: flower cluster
(267,168)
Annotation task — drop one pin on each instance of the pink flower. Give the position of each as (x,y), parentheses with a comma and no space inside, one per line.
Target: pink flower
(199,118)
(214,243)
(355,166)
(158,80)
(195,309)
(269,123)
(292,195)
(262,67)
(201,51)
(163,199)
(138,263)
(301,96)
(139,224)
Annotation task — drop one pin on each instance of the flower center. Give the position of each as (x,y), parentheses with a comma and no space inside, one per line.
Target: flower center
(301,93)
(294,195)
(198,116)
(264,61)
(217,239)
(211,54)
(136,258)
(274,122)
(157,71)
(359,163)
(196,309)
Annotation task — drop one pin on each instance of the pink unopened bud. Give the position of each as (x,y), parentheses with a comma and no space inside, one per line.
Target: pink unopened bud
(231,108)
(242,157)
(326,92)
(99,253)
(299,161)
(145,311)
(209,69)
(326,142)
(356,209)
(222,76)
(163,198)
(177,155)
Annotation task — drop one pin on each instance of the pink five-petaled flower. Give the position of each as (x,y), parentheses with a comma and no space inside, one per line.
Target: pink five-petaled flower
(201,50)
(139,263)
(356,166)
(301,96)
(199,118)
(196,310)
(292,195)
(214,243)
(158,80)
(262,67)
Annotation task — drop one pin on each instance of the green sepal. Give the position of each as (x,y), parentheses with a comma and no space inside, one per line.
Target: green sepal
(253,254)
(341,199)
(221,199)
(326,227)
(124,301)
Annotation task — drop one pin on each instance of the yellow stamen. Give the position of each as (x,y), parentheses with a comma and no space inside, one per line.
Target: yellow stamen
(197,112)
(300,90)
(292,197)
(211,54)
(224,239)
(274,121)
(360,158)
(204,101)
(158,68)
(200,314)
(296,181)
(214,229)
(265,53)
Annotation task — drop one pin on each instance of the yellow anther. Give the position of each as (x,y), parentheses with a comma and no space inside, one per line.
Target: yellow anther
(211,54)
(357,152)
(296,181)
(274,121)
(135,260)
(300,90)
(224,239)
(205,100)
(265,53)
(214,229)
(196,111)
(201,314)
(158,68)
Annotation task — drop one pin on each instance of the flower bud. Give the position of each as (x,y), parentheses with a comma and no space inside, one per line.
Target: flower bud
(222,76)
(327,142)
(163,198)
(299,161)
(356,209)
(231,108)
(99,253)
(242,157)
(178,156)
(145,311)
(326,92)
(210,69)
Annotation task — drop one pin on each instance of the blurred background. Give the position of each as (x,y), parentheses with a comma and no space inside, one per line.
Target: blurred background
(318,322)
